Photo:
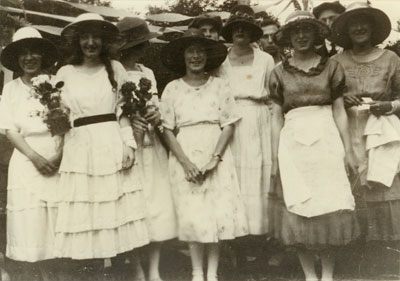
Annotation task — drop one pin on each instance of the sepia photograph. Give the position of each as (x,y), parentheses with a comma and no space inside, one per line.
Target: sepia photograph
(199,140)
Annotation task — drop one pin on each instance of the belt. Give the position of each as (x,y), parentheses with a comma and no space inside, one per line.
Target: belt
(95,119)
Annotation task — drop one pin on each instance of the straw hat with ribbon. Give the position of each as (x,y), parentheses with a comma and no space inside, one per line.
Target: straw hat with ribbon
(30,38)
(282,36)
(207,19)
(172,55)
(242,15)
(86,22)
(134,32)
(380,24)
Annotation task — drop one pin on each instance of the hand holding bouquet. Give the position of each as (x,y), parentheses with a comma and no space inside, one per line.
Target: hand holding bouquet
(54,114)
(136,97)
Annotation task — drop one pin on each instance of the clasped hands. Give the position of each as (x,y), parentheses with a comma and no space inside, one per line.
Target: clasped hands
(377,108)
(194,174)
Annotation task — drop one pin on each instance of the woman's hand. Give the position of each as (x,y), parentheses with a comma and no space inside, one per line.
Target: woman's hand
(351,164)
(139,124)
(128,157)
(56,159)
(210,166)
(352,100)
(44,166)
(153,116)
(379,108)
(192,173)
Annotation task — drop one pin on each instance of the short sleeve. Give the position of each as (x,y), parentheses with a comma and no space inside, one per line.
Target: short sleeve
(227,106)
(62,75)
(337,80)
(275,87)
(396,80)
(6,109)
(167,107)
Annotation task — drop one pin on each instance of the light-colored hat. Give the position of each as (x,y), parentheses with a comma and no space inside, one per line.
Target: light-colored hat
(172,54)
(281,37)
(381,26)
(88,21)
(28,37)
(134,32)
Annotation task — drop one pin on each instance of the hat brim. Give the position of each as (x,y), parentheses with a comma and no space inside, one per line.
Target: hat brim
(133,43)
(104,26)
(9,56)
(381,26)
(256,31)
(172,55)
(337,7)
(281,37)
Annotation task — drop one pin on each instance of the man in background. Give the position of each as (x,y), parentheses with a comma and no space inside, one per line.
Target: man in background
(327,13)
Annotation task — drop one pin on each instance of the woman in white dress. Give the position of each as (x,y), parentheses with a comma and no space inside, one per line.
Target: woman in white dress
(102,208)
(32,175)
(247,69)
(203,178)
(151,154)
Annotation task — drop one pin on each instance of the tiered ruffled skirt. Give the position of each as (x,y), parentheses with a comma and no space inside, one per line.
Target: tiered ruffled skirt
(102,210)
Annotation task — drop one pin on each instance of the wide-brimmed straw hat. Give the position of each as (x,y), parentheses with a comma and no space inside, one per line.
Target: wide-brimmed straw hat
(242,15)
(381,25)
(172,55)
(215,21)
(282,38)
(332,6)
(134,32)
(28,37)
(86,22)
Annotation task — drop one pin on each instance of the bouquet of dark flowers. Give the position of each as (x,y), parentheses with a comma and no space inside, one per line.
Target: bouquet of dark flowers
(137,100)
(136,97)
(54,114)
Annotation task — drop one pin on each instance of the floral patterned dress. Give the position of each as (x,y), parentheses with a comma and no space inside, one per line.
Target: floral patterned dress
(213,210)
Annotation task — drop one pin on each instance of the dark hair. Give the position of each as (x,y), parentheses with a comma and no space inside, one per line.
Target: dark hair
(77,57)
(125,53)
(319,38)
(270,20)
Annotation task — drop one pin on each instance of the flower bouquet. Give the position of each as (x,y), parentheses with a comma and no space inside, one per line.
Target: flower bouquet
(54,114)
(138,102)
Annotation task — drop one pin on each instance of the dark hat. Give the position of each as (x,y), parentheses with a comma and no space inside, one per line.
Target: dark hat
(281,37)
(333,6)
(134,32)
(88,21)
(207,19)
(381,25)
(28,37)
(172,54)
(241,15)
